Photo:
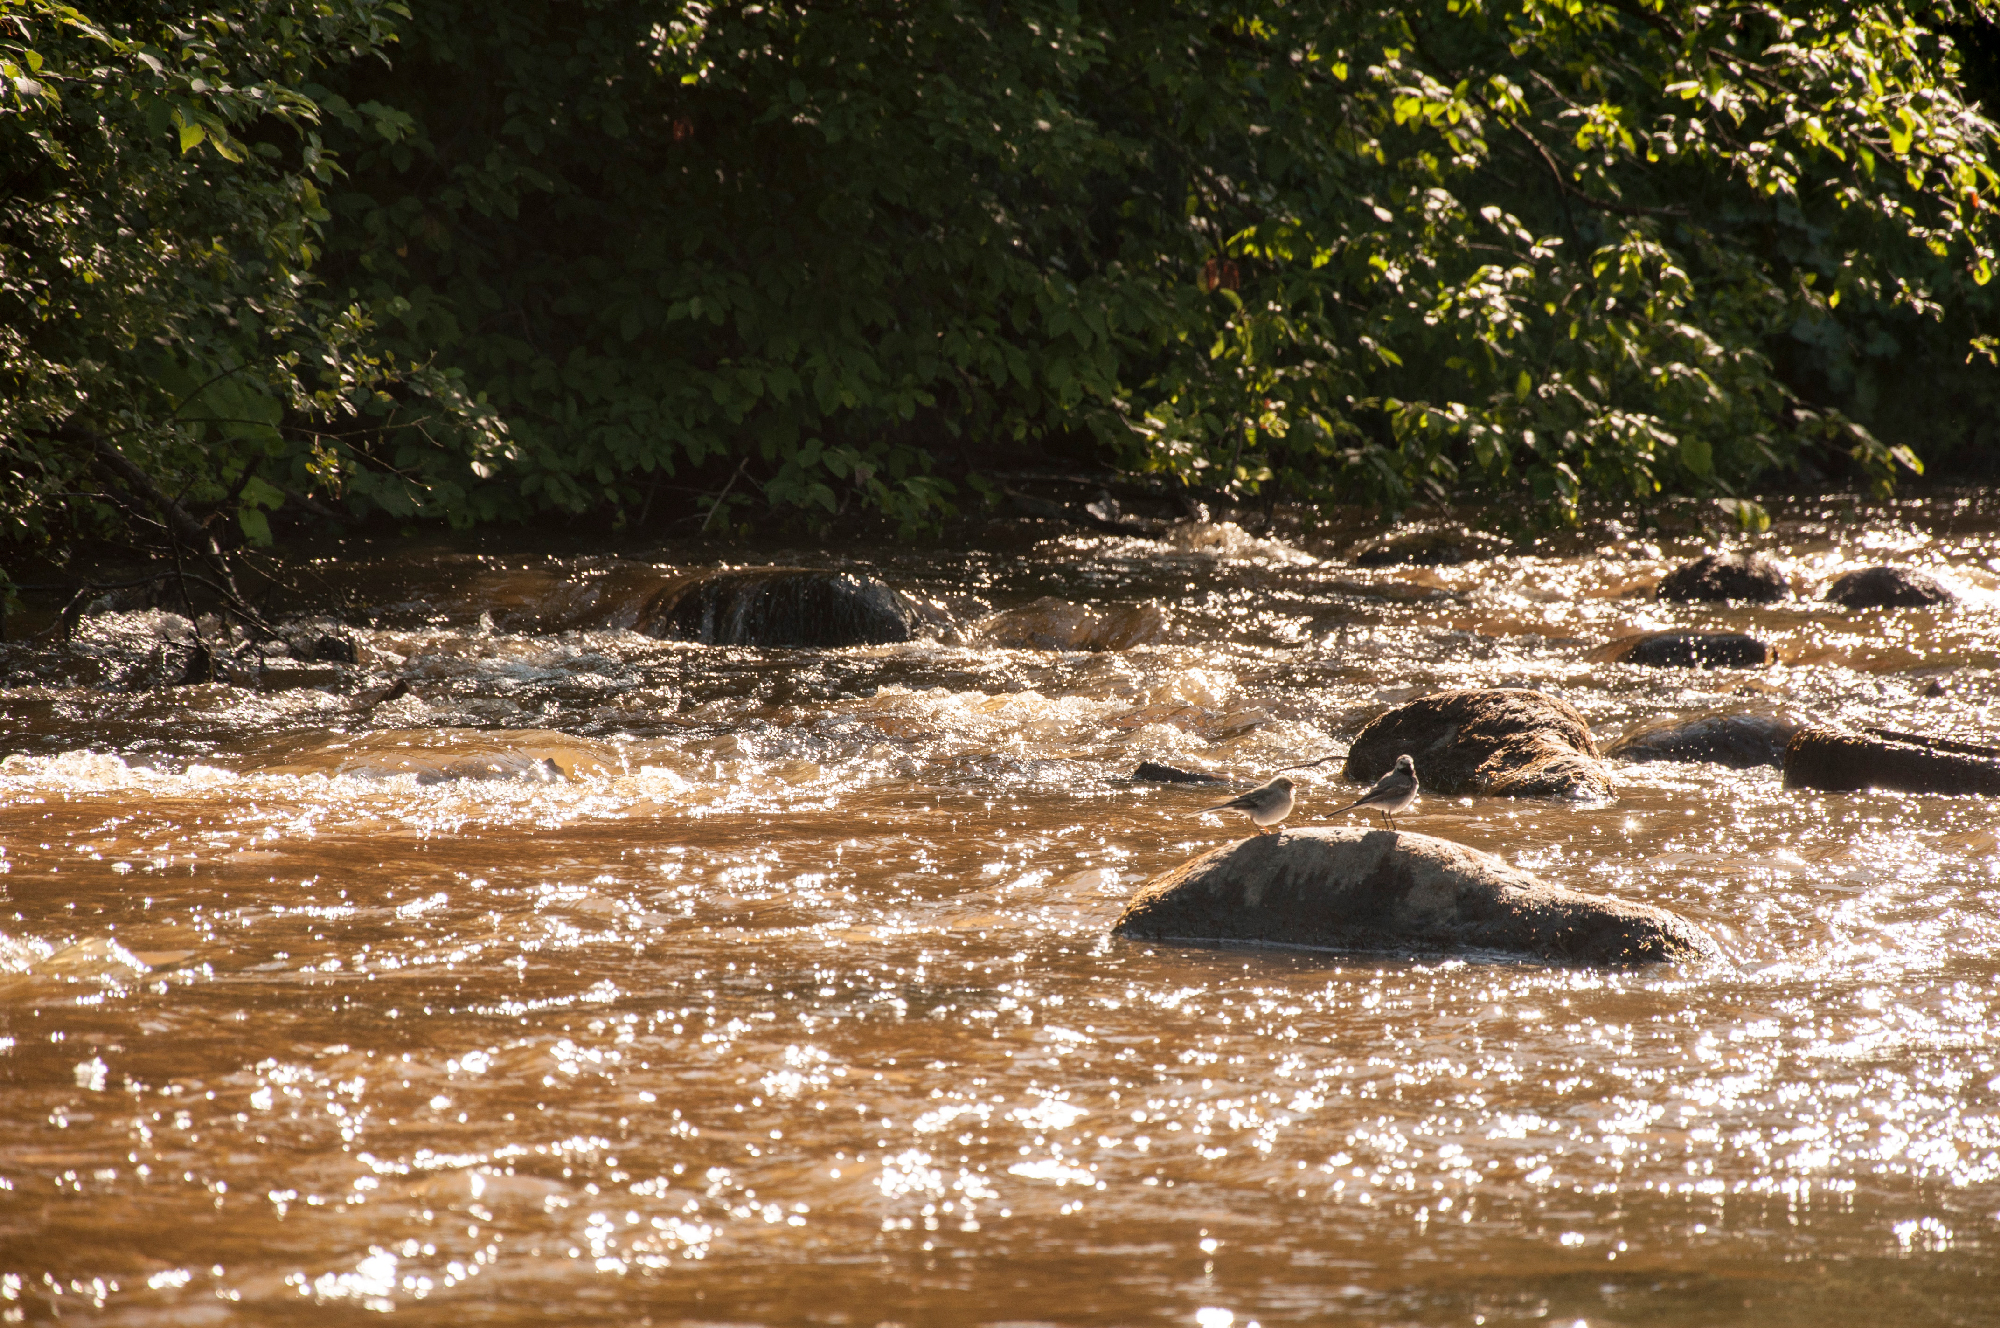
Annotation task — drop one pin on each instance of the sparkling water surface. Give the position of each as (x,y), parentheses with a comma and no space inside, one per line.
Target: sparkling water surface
(601,979)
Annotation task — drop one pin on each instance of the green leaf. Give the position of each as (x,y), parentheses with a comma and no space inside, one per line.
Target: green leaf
(256,526)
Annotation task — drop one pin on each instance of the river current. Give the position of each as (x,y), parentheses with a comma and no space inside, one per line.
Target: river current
(598,979)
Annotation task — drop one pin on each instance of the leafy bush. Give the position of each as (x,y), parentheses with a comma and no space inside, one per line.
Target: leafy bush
(165,362)
(597,257)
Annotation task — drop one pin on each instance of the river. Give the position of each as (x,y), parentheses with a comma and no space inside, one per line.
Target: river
(599,979)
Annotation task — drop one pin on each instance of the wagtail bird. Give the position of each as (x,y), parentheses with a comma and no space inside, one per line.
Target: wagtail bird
(1391,794)
(1264,806)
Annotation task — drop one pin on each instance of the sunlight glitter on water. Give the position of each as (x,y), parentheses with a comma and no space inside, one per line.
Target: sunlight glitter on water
(784,993)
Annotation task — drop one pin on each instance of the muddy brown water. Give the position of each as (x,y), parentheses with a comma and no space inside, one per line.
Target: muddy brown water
(609,980)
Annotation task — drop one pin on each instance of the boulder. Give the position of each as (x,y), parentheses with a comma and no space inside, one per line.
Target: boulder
(1839,762)
(1888,588)
(1152,772)
(1497,741)
(778,607)
(1689,650)
(1384,890)
(1740,742)
(1054,624)
(1725,576)
(1427,546)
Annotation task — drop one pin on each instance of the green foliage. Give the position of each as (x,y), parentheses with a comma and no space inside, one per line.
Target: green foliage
(825,258)
(161,215)
(1386,253)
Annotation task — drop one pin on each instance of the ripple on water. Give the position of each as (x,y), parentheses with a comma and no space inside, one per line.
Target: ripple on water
(600,977)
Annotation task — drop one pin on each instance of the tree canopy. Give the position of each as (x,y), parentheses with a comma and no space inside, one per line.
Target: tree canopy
(490,261)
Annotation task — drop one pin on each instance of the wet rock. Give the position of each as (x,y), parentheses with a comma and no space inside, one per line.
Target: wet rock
(1740,742)
(1725,576)
(1689,650)
(442,756)
(1888,588)
(331,648)
(1152,772)
(777,607)
(1497,741)
(1054,624)
(135,651)
(1823,758)
(1427,546)
(1372,891)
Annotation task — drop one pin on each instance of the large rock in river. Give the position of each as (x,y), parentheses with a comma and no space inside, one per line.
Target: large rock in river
(1726,576)
(1499,741)
(1382,890)
(1823,758)
(1740,742)
(1888,588)
(1689,650)
(777,606)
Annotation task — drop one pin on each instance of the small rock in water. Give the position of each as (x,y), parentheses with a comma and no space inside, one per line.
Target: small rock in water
(1427,546)
(1054,624)
(1372,891)
(1152,772)
(1888,588)
(1497,741)
(1740,742)
(1688,650)
(1717,577)
(777,607)
(332,649)
(1823,758)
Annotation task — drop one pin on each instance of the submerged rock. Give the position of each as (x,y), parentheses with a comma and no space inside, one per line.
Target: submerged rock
(1726,576)
(1740,742)
(1690,650)
(1054,624)
(1498,741)
(777,607)
(1822,758)
(1383,890)
(1888,588)
(1152,772)
(444,756)
(1427,546)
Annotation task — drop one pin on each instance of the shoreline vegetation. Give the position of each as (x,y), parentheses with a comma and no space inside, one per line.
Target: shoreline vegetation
(273,270)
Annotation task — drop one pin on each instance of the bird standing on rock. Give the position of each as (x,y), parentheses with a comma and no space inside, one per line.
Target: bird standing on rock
(1392,793)
(1265,806)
